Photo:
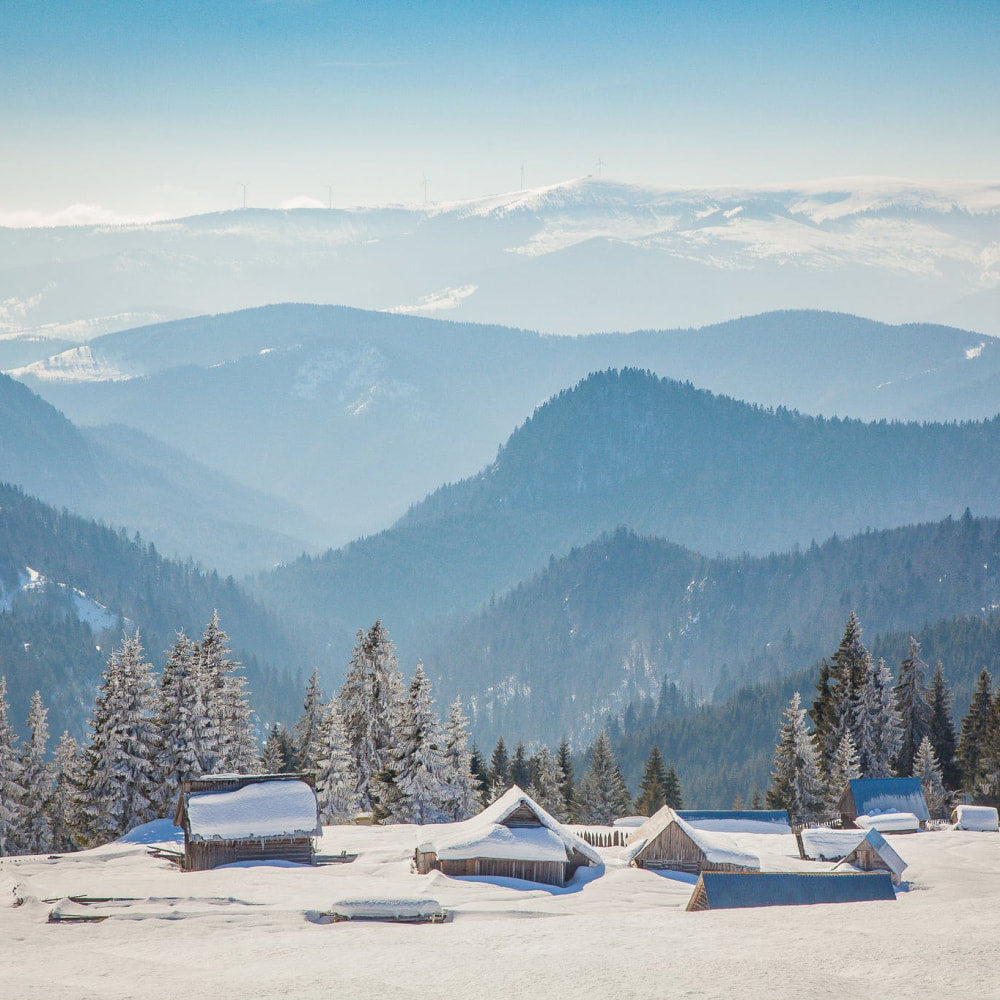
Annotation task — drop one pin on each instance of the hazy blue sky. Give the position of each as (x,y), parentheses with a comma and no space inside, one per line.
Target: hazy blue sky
(148,107)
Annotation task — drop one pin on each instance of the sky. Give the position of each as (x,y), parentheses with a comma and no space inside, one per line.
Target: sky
(150,108)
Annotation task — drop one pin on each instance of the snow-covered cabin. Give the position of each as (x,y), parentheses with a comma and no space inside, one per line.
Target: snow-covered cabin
(228,818)
(874,797)
(983,819)
(726,890)
(667,841)
(512,838)
(762,821)
(863,850)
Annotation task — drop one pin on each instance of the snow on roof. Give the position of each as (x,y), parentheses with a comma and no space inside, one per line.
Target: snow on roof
(263,809)
(889,795)
(738,820)
(829,845)
(630,821)
(886,852)
(719,848)
(898,822)
(981,818)
(727,890)
(486,832)
(390,908)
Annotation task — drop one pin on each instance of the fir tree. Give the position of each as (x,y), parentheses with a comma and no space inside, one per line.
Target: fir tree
(11,792)
(520,773)
(942,729)
(926,768)
(672,789)
(972,737)
(988,778)
(228,702)
(481,773)
(825,715)
(499,771)
(756,802)
(278,755)
(546,789)
(603,795)
(565,758)
(309,726)
(37,781)
(371,700)
(844,768)
(912,709)
(62,803)
(877,731)
(465,799)
(848,670)
(796,783)
(652,786)
(336,776)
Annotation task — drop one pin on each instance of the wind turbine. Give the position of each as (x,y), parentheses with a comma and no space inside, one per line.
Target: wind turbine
(600,166)
(244,196)
(424,180)
(522,176)
(329,194)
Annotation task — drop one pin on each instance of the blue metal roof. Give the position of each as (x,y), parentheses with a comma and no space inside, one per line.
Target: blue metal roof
(889,795)
(728,890)
(757,815)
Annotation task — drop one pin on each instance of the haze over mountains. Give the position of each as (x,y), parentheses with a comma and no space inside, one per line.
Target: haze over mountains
(584,256)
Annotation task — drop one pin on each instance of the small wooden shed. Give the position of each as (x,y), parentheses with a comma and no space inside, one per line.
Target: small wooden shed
(874,797)
(726,890)
(862,850)
(513,838)
(667,841)
(229,818)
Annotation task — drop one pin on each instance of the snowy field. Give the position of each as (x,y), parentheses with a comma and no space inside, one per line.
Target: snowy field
(613,932)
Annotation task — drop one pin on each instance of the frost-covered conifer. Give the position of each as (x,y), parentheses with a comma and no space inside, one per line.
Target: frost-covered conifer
(309,727)
(912,708)
(877,732)
(926,768)
(336,776)
(37,781)
(11,792)
(371,700)
(796,782)
(62,807)
(603,795)
(843,769)
(520,770)
(546,789)
(499,771)
(847,674)
(464,800)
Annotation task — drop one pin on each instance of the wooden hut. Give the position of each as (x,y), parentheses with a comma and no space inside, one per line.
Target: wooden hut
(726,890)
(513,838)
(875,798)
(667,841)
(862,850)
(247,817)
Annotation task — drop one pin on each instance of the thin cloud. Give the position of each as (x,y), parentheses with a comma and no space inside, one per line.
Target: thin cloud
(72,215)
(346,64)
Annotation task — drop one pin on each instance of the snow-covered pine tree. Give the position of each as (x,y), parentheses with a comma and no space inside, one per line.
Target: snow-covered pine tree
(371,701)
(185,733)
(603,795)
(336,776)
(975,727)
(988,781)
(672,789)
(499,771)
(62,808)
(911,708)
(825,714)
(520,773)
(848,669)
(942,728)
(653,785)
(465,799)
(308,729)
(843,769)
(546,789)
(877,732)
(278,755)
(421,774)
(796,781)
(11,793)
(120,783)
(228,702)
(926,768)
(565,758)
(37,781)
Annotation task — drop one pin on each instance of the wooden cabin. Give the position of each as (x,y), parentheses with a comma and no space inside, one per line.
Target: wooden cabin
(726,890)
(875,797)
(512,838)
(229,818)
(862,850)
(667,841)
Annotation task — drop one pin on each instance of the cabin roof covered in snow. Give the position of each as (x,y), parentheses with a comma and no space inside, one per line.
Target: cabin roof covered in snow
(728,890)
(719,848)
(873,796)
(262,809)
(738,820)
(487,836)
(978,818)
(835,845)
(889,822)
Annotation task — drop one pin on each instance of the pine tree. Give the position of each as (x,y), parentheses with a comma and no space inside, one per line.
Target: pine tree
(988,779)
(11,791)
(877,731)
(652,786)
(309,726)
(848,669)
(499,771)
(565,758)
(925,767)
(603,795)
(796,782)
(942,729)
(278,755)
(62,808)
(912,708)
(465,798)
(844,768)
(520,773)
(421,791)
(120,785)
(825,715)
(672,789)
(228,702)
(371,701)
(481,773)
(546,789)
(975,727)
(37,781)
(336,776)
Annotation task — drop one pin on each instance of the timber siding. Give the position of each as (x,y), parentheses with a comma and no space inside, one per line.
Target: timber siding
(672,848)
(545,872)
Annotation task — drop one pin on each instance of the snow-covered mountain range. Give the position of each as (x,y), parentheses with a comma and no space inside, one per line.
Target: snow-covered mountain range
(583,256)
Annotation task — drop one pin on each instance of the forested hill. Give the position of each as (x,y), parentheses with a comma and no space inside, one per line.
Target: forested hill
(725,748)
(658,457)
(69,586)
(608,622)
